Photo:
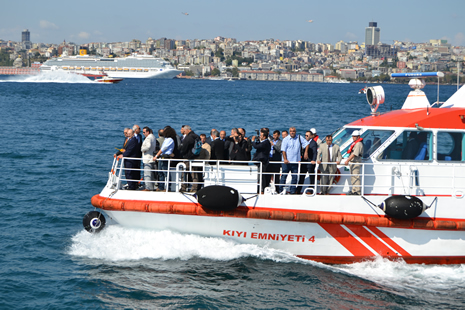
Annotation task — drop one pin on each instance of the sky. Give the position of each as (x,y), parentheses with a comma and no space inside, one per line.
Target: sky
(85,21)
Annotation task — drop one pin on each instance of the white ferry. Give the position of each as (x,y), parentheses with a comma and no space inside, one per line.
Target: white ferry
(135,66)
(411,207)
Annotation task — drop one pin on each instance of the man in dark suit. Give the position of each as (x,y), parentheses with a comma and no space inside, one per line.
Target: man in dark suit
(217,146)
(126,139)
(263,147)
(309,156)
(209,140)
(228,141)
(186,152)
(132,151)
(137,134)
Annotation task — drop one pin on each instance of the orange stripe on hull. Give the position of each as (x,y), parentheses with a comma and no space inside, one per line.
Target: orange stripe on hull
(389,241)
(185,208)
(375,243)
(347,240)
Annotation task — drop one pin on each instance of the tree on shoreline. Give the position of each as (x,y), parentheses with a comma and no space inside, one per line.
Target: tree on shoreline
(5,59)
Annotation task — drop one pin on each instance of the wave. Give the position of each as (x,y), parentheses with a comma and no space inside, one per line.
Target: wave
(116,243)
(50,77)
(410,277)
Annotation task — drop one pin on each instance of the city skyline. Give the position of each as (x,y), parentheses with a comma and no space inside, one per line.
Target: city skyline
(86,21)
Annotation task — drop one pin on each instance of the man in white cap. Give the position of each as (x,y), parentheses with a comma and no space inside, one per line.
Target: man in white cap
(356,152)
(315,136)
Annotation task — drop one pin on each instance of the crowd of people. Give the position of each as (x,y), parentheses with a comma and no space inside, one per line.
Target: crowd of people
(277,157)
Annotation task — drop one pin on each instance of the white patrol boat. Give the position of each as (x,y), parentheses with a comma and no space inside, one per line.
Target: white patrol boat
(411,207)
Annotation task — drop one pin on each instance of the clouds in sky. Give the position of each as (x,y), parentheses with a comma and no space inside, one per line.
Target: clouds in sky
(459,39)
(351,37)
(83,35)
(45,24)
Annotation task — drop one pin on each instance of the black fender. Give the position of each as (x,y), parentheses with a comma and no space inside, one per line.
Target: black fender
(219,198)
(403,207)
(93,221)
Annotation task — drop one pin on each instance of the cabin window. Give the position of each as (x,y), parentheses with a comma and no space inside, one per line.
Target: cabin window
(450,146)
(372,140)
(410,145)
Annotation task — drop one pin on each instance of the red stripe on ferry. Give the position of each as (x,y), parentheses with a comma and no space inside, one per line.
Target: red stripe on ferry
(389,241)
(371,240)
(346,240)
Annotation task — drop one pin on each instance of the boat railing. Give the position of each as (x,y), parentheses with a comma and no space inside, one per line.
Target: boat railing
(248,177)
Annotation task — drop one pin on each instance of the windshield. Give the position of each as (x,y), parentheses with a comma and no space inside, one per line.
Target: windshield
(343,135)
(372,140)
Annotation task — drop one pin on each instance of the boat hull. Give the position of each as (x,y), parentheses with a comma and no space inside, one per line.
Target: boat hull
(319,235)
(152,74)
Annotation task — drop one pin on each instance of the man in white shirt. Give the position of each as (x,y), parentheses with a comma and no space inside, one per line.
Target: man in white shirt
(147,149)
(291,149)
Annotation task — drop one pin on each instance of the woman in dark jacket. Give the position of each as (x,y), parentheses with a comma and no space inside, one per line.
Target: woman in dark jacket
(238,149)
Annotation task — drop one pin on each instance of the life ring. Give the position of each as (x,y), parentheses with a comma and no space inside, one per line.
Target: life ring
(93,221)
(337,175)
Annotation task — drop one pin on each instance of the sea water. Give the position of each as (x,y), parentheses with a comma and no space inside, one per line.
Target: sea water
(59,132)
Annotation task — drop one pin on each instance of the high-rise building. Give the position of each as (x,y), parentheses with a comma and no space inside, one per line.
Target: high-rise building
(25,36)
(372,34)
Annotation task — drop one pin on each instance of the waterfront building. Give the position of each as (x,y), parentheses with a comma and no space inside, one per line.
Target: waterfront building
(347,73)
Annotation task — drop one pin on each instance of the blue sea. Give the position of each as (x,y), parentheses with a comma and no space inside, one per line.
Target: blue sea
(59,133)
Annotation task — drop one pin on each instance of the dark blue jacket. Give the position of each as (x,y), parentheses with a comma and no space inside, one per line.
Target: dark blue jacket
(187,145)
(217,151)
(263,150)
(132,149)
(312,150)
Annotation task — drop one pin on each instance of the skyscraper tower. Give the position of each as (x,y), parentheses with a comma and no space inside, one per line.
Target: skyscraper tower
(25,35)
(372,34)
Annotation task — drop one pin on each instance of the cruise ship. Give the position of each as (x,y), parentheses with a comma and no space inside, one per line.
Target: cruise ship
(135,66)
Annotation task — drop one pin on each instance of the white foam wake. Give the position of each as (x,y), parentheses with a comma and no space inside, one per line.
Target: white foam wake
(116,243)
(50,77)
(430,278)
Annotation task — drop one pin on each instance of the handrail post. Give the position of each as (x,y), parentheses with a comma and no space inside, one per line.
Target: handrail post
(167,179)
(120,173)
(316,179)
(179,165)
(362,190)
